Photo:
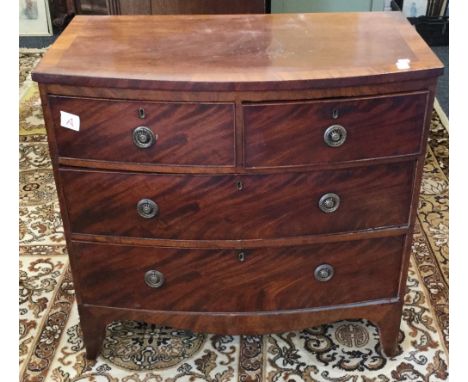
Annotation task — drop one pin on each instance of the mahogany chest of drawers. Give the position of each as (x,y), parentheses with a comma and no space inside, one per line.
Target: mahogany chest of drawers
(238,174)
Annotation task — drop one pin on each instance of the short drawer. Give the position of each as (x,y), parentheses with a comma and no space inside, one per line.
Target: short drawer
(231,280)
(207,207)
(305,133)
(169,133)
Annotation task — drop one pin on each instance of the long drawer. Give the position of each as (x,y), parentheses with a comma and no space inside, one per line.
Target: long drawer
(202,207)
(169,133)
(227,280)
(339,130)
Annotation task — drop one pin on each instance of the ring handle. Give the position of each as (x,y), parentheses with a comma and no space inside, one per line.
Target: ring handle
(147,209)
(324,272)
(143,137)
(329,202)
(154,279)
(335,135)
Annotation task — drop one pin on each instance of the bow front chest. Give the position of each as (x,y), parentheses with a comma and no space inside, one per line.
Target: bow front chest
(238,173)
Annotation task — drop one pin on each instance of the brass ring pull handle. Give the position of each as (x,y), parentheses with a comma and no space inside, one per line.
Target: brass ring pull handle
(143,137)
(154,279)
(324,272)
(335,135)
(147,209)
(329,202)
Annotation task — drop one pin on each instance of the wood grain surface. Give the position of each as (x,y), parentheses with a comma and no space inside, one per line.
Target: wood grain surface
(245,243)
(386,314)
(187,133)
(217,281)
(239,104)
(285,134)
(212,207)
(237,52)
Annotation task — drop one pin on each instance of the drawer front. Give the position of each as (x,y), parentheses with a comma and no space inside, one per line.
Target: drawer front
(216,280)
(202,207)
(291,134)
(183,133)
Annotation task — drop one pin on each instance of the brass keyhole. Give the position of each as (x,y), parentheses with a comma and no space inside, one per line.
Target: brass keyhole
(241,256)
(335,114)
(141,113)
(240,185)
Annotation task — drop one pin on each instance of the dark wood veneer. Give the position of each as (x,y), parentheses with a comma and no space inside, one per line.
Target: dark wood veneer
(206,207)
(293,133)
(372,233)
(237,52)
(268,279)
(187,133)
(239,98)
(384,313)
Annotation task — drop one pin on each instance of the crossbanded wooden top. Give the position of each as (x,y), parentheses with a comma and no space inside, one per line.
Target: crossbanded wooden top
(238,52)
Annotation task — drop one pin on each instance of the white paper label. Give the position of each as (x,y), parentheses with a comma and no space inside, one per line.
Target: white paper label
(70,121)
(403,63)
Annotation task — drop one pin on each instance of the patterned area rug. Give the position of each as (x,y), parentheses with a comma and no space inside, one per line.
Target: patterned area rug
(50,343)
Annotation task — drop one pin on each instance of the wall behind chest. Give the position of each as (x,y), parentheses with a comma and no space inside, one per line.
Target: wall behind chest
(148,7)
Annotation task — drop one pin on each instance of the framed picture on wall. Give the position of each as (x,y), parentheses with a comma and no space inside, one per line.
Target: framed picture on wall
(34,18)
(414,8)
